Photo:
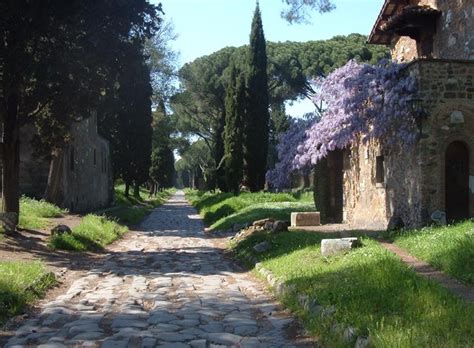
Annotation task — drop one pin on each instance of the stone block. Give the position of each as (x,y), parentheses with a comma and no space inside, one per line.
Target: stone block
(279,226)
(305,219)
(262,222)
(331,247)
(60,229)
(439,217)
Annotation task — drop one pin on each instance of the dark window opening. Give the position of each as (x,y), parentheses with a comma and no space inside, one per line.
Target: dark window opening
(379,170)
(457,181)
(95,156)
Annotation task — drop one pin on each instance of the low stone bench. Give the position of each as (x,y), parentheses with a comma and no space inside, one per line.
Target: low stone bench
(305,219)
(338,246)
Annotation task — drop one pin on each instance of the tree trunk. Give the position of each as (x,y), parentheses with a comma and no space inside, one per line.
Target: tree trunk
(11,159)
(136,190)
(127,189)
(53,191)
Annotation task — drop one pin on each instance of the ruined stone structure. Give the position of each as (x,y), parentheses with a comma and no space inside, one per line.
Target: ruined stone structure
(382,188)
(80,174)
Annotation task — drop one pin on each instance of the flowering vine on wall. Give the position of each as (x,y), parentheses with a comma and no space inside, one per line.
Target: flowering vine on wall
(360,100)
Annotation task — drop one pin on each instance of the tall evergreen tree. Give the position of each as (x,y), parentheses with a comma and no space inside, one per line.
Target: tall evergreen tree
(257,115)
(126,119)
(233,135)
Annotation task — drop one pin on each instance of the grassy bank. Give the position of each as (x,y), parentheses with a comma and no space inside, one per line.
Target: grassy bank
(221,210)
(131,210)
(21,283)
(448,248)
(371,291)
(35,214)
(92,234)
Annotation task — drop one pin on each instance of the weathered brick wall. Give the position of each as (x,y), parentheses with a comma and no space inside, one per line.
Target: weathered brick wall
(454,38)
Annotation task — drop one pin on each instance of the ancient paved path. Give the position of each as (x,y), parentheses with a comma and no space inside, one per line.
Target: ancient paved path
(166,285)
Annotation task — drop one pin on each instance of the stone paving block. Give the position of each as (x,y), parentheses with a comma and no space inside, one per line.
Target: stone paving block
(305,219)
(224,338)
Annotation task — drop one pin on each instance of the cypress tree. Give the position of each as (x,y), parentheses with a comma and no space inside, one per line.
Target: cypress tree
(233,134)
(257,115)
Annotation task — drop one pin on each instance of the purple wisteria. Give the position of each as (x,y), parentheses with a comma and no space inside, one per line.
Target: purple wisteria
(280,177)
(360,100)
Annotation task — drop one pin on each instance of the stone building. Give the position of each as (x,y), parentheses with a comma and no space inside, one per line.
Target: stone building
(80,175)
(373,187)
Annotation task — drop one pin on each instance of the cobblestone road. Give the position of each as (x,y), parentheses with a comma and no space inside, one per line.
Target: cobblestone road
(167,285)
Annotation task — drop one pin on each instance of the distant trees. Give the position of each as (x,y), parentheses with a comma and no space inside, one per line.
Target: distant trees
(200,105)
(162,158)
(56,59)
(257,116)
(196,165)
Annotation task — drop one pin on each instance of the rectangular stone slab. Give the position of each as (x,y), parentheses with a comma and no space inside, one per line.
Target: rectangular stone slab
(305,219)
(338,246)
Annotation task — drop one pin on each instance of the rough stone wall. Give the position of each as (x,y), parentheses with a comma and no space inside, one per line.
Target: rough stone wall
(414,185)
(447,88)
(86,169)
(396,202)
(454,38)
(363,200)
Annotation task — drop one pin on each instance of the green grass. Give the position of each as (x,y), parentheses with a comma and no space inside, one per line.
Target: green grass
(92,234)
(132,209)
(372,291)
(35,214)
(221,210)
(277,211)
(448,248)
(21,283)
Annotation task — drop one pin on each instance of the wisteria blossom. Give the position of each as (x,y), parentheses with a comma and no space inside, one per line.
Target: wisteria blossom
(280,177)
(360,100)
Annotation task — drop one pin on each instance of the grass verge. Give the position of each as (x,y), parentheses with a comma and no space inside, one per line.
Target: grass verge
(131,210)
(35,214)
(21,283)
(448,248)
(221,210)
(371,291)
(92,234)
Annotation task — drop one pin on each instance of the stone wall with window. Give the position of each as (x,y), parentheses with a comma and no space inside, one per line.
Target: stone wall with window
(411,183)
(447,91)
(454,36)
(86,172)
(81,174)
(363,198)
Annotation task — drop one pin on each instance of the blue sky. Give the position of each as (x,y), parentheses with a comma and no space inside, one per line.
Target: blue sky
(205,26)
